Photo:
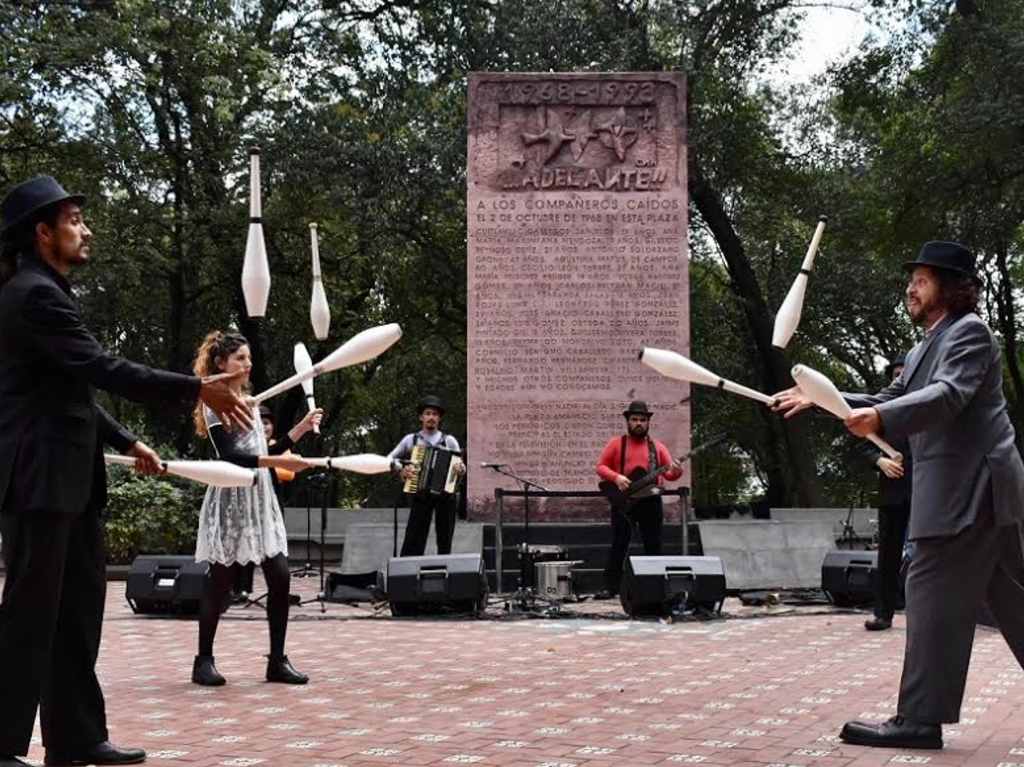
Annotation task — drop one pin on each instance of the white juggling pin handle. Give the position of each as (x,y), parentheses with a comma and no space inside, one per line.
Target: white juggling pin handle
(788,318)
(674,365)
(319,311)
(215,473)
(304,362)
(361,463)
(822,392)
(255,268)
(359,348)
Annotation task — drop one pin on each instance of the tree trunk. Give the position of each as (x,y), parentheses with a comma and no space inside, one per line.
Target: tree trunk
(1007,321)
(791,471)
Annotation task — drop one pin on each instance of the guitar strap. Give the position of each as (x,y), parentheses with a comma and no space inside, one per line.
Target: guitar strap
(652,455)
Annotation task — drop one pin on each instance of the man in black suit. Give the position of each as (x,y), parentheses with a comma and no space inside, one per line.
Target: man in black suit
(53,479)
(894,481)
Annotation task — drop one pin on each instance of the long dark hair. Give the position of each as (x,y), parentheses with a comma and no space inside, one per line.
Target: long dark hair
(22,240)
(959,293)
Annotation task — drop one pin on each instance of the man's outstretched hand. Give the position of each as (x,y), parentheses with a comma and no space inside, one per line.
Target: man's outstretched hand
(146,459)
(216,393)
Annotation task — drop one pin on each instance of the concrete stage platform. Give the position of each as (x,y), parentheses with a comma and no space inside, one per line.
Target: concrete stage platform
(764,686)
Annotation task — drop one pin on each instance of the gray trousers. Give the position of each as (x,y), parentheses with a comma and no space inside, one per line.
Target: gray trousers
(948,580)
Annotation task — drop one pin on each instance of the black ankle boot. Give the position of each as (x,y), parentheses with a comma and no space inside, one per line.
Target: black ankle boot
(280,669)
(205,673)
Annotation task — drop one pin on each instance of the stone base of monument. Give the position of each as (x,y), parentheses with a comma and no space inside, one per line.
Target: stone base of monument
(769,554)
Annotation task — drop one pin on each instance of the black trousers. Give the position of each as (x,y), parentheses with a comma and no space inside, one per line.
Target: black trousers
(421,509)
(948,580)
(51,618)
(892,533)
(649,515)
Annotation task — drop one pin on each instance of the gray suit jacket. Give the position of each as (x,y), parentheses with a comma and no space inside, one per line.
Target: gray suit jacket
(949,402)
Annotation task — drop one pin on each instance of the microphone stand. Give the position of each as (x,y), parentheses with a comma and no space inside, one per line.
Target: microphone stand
(327,480)
(307,568)
(524,595)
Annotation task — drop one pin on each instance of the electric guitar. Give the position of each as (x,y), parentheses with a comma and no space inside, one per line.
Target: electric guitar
(640,483)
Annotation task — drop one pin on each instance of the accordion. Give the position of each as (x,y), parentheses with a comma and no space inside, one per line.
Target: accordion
(436,471)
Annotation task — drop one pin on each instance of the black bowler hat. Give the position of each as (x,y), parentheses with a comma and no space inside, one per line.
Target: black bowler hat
(899,361)
(951,256)
(30,197)
(432,402)
(637,407)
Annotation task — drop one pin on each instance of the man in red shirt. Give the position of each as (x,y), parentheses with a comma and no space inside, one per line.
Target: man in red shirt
(623,460)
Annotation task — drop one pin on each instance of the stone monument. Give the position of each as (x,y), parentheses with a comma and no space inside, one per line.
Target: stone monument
(577,224)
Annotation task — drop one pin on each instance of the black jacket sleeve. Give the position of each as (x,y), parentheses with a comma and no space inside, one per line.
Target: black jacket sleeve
(281,445)
(52,321)
(113,433)
(226,449)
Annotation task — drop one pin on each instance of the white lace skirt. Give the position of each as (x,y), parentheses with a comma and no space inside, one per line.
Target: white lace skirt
(241,524)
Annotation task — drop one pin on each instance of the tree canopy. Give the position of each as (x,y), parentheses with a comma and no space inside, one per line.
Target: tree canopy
(150,107)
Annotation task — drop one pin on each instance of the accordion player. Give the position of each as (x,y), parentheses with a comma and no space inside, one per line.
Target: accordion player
(430,465)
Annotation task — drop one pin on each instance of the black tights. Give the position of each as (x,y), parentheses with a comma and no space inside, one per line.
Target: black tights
(275,571)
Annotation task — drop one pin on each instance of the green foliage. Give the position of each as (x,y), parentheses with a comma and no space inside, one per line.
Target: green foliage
(150,515)
(150,107)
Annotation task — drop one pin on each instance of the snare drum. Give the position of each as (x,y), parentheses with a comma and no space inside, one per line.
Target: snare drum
(546,553)
(554,579)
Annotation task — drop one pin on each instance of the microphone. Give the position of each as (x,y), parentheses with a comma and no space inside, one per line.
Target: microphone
(493,465)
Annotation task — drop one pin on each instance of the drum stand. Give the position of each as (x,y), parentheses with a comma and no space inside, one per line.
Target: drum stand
(525,598)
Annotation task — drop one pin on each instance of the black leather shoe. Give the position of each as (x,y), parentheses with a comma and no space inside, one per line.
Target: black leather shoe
(12,761)
(204,672)
(280,669)
(102,753)
(894,733)
(878,623)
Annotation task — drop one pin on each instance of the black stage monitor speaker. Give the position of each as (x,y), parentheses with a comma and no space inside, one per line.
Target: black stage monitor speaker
(848,578)
(166,584)
(436,584)
(658,585)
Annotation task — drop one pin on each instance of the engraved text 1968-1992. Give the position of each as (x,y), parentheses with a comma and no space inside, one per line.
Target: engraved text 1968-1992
(576,92)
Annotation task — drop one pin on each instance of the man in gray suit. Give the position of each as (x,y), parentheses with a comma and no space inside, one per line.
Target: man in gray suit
(967,502)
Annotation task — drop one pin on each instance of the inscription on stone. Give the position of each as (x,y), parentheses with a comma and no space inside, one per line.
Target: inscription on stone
(577,221)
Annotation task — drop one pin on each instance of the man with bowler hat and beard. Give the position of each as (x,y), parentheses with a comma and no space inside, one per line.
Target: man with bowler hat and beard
(967,503)
(442,506)
(894,479)
(53,478)
(634,454)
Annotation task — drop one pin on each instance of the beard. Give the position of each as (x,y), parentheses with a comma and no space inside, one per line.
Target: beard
(639,430)
(920,311)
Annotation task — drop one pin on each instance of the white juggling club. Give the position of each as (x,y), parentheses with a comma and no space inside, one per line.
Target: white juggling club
(788,318)
(304,362)
(319,311)
(361,463)
(359,348)
(255,269)
(674,365)
(215,473)
(822,392)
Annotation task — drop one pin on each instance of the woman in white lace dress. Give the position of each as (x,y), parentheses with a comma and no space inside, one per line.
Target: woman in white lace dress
(242,525)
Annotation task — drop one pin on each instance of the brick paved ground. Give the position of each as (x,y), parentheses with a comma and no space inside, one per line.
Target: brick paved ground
(753,690)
